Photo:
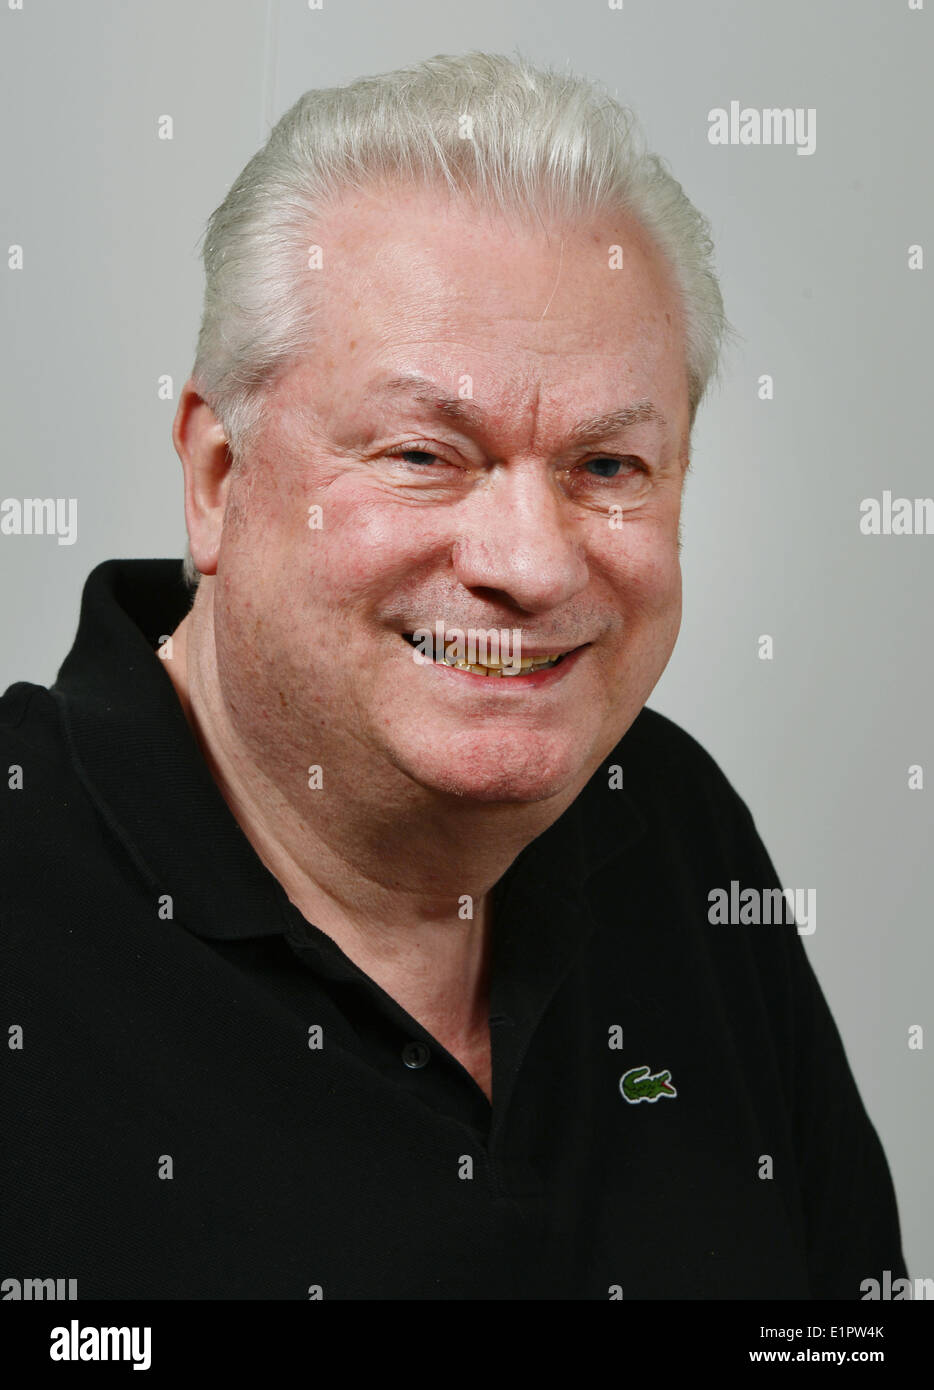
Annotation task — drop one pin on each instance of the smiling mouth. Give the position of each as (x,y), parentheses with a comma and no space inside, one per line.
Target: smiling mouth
(527,666)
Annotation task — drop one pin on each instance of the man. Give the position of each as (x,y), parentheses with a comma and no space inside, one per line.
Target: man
(363,973)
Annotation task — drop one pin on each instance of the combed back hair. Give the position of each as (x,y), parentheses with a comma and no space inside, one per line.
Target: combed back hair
(539,143)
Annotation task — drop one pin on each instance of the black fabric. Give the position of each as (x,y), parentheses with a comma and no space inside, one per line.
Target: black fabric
(150,1038)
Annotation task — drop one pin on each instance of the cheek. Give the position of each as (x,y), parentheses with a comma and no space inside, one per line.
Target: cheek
(661,584)
(300,538)
(369,546)
(642,567)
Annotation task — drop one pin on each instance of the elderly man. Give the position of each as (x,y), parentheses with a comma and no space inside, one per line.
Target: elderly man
(376,958)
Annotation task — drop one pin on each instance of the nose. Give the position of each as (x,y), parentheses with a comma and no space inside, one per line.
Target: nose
(521,541)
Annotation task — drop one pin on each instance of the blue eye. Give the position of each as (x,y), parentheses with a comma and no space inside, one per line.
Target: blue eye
(416,456)
(606,468)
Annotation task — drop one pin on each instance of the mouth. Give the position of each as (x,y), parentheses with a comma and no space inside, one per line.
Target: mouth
(498,669)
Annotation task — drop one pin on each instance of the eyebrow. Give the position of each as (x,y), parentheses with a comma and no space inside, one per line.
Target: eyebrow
(466,411)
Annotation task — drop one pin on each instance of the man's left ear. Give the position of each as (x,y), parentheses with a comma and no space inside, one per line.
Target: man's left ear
(201,444)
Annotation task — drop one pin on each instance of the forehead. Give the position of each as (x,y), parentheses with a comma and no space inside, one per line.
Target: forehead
(415,279)
(435,258)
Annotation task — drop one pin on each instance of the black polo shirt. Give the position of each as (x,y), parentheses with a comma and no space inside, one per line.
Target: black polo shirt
(209,1100)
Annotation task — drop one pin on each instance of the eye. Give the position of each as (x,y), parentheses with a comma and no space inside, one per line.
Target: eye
(610,467)
(415,457)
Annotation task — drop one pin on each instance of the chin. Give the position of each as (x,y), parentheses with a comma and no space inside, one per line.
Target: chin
(520,769)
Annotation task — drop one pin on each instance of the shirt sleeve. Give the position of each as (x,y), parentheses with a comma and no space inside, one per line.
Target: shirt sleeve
(850,1209)
(851,1217)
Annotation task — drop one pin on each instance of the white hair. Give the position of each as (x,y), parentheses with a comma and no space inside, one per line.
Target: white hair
(540,142)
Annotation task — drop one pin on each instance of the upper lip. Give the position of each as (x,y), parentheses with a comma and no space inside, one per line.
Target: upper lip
(525,649)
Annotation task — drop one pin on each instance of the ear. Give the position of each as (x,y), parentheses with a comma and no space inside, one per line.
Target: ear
(201,445)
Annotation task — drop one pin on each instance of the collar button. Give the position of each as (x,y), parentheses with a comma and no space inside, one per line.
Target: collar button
(416,1055)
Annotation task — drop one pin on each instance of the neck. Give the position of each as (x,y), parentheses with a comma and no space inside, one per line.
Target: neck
(398,875)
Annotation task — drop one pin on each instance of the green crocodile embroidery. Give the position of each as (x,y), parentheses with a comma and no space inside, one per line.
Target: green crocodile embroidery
(636,1084)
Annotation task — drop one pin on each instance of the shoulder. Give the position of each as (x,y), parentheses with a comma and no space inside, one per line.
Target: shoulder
(655,737)
(677,785)
(29,721)
(35,767)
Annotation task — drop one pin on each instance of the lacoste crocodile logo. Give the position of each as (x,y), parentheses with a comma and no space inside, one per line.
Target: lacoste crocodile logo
(636,1084)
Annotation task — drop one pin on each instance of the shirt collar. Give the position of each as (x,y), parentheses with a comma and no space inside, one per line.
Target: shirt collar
(141,764)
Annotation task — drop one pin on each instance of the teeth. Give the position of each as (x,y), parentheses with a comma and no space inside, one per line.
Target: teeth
(500,668)
(528,664)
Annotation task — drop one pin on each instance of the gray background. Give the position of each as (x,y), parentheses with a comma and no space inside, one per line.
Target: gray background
(813,259)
